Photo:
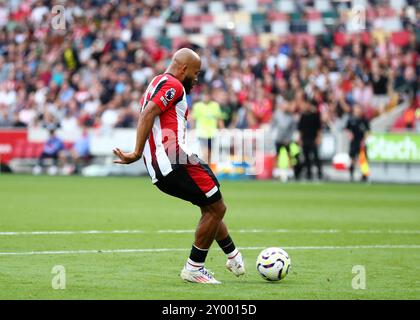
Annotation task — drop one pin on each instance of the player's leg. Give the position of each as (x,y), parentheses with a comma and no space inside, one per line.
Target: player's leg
(211,217)
(206,230)
(235,262)
(211,227)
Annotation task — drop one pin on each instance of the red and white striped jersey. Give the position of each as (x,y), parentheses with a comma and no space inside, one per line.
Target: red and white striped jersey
(166,147)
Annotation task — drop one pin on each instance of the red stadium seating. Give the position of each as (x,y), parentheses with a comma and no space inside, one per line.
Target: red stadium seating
(31,150)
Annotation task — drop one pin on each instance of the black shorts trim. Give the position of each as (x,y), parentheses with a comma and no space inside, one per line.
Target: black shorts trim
(178,183)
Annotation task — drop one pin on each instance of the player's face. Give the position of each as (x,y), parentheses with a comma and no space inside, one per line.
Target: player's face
(191,77)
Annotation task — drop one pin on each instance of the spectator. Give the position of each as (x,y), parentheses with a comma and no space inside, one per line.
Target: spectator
(309,127)
(16,122)
(262,108)
(379,80)
(53,146)
(73,159)
(91,74)
(208,118)
(283,125)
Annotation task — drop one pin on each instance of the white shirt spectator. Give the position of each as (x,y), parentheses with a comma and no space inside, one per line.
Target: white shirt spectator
(142,75)
(91,106)
(109,118)
(8,97)
(4,15)
(27,116)
(69,124)
(40,96)
(38,13)
(280,60)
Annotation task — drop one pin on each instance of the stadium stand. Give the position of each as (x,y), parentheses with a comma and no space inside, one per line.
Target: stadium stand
(93,72)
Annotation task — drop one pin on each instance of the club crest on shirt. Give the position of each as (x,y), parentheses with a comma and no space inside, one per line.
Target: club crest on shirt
(170,94)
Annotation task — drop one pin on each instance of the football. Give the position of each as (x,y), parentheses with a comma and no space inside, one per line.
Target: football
(273,264)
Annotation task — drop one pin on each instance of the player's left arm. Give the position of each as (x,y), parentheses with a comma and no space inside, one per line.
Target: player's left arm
(144,126)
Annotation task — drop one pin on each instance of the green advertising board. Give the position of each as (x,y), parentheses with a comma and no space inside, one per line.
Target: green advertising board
(394,147)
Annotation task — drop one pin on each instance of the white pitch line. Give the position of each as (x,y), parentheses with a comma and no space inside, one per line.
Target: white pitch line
(154,250)
(182,231)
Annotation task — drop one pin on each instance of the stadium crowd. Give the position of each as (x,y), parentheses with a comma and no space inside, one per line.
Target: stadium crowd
(92,74)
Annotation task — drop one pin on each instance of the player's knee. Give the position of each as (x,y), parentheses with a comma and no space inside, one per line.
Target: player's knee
(221,210)
(218,210)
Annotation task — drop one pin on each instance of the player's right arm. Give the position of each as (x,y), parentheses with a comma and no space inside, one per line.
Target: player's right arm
(144,126)
(167,93)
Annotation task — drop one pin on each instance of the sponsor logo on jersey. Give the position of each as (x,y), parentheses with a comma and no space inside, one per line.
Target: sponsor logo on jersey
(170,94)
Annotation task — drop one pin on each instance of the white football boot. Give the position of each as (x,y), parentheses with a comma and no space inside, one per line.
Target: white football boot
(201,275)
(236,265)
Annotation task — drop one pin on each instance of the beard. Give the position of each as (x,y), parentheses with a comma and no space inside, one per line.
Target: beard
(188,84)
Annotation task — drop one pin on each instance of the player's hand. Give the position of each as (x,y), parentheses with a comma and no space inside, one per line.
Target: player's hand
(125,157)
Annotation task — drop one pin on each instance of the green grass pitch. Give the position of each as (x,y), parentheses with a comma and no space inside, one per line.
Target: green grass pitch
(327,229)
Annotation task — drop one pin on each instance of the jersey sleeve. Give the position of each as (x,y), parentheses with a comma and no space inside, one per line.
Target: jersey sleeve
(167,93)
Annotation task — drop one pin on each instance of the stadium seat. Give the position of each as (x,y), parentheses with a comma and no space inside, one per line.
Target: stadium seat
(216,7)
(27,150)
(298,26)
(264,39)
(209,29)
(221,20)
(198,39)
(295,16)
(259,21)
(243,29)
(206,18)
(287,6)
(362,3)
(174,30)
(370,14)
(397,4)
(190,23)
(280,27)
(179,42)
(250,6)
(330,15)
(315,23)
(313,15)
(191,8)
(305,38)
(215,40)
(150,31)
(323,5)
(316,27)
(32,150)
(277,16)
(150,43)
(241,17)
(400,38)
(392,24)
(265,3)
(250,41)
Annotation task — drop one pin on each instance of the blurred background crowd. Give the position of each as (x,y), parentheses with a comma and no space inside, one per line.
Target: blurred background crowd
(257,56)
